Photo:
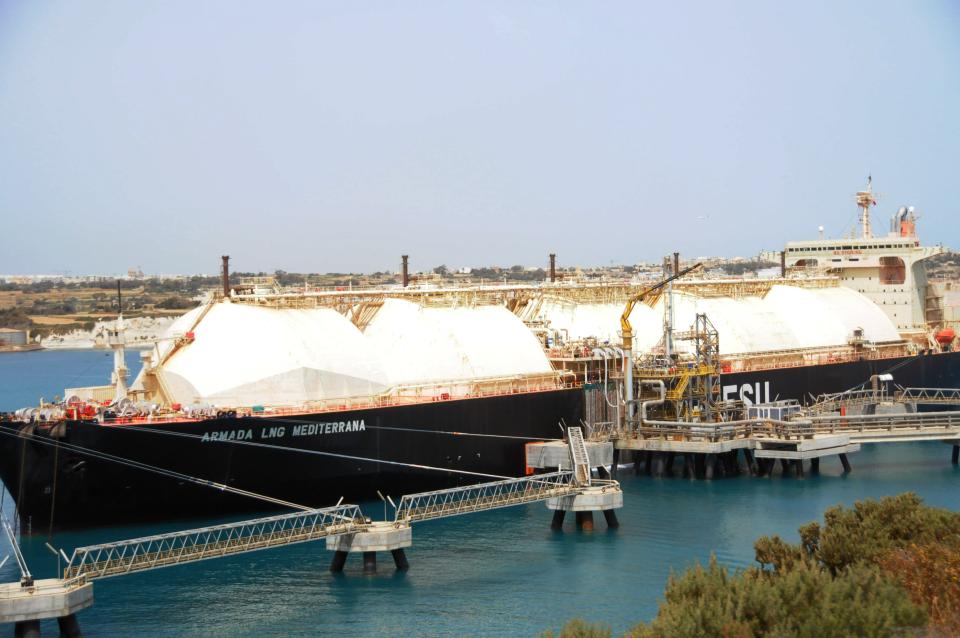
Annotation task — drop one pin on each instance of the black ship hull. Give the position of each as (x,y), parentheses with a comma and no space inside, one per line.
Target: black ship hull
(310,460)
(934,370)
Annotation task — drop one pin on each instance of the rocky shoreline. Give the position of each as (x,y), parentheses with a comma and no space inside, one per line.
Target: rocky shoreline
(140,332)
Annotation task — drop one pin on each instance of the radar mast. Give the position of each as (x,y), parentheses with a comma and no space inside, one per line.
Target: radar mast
(866,199)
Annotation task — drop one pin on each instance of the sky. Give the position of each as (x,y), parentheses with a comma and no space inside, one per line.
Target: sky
(335,136)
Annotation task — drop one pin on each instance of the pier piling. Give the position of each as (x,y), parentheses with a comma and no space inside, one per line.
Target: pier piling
(846,464)
(611,518)
(585,521)
(339,560)
(750,461)
(69,627)
(708,465)
(369,562)
(27,629)
(558,516)
(400,560)
(815,465)
(955,455)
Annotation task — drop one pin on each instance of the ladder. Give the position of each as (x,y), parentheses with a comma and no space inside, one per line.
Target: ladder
(579,457)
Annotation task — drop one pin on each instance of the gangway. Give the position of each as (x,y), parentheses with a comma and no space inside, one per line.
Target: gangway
(579,456)
(866,397)
(486,496)
(164,550)
(948,396)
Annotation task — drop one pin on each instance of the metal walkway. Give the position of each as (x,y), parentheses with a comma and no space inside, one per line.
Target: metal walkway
(175,548)
(859,398)
(485,496)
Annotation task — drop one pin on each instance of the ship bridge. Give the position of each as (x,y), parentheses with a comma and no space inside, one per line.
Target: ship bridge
(887,269)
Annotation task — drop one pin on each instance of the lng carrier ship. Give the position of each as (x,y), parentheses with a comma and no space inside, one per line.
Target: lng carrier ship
(306,396)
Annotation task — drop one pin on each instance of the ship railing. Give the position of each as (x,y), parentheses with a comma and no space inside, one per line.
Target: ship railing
(164,550)
(698,431)
(774,359)
(485,496)
(600,430)
(396,396)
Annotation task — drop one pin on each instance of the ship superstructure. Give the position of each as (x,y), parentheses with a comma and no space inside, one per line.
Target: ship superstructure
(886,268)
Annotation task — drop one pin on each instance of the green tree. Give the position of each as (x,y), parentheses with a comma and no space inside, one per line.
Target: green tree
(578,628)
(806,601)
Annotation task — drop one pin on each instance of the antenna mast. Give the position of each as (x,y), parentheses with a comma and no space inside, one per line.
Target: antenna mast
(865,200)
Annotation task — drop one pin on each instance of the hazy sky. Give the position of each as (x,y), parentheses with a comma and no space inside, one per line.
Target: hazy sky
(334,136)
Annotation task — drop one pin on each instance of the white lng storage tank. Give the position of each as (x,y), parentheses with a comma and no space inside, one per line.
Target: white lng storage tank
(786,318)
(240,355)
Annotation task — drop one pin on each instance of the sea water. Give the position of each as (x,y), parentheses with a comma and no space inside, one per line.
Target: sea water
(501,573)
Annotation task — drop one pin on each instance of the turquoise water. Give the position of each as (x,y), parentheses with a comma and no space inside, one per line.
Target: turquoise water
(494,574)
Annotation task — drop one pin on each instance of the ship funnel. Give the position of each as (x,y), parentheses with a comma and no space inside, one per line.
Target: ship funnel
(897,218)
(225,275)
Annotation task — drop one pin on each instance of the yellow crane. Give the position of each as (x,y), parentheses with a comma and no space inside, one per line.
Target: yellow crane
(627,331)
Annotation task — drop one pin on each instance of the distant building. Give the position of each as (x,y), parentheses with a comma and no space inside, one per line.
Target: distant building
(16,340)
(135,273)
(13,337)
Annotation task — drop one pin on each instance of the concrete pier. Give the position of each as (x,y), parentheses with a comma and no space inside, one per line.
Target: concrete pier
(596,498)
(382,536)
(46,598)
